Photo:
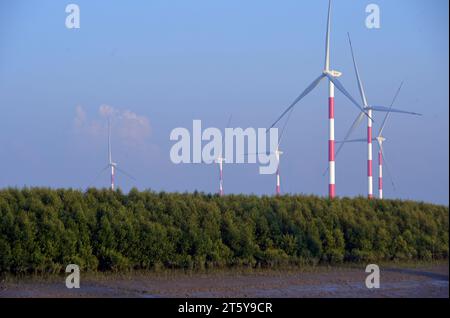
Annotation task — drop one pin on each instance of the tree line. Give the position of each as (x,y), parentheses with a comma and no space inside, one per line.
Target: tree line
(43,230)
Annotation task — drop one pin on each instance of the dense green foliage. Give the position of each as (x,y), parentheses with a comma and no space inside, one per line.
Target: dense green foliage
(43,230)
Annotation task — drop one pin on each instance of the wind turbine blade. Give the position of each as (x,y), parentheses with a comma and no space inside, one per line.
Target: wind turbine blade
(388,113)
(355,125)
(300,97)
(392,110)
(284,127)
(227,126)
(396,94)
(355,65)
(352,140)
(98,175)
(229,121)
(327,39)
(257,153)
(386,168)
(125,173)
(341,87)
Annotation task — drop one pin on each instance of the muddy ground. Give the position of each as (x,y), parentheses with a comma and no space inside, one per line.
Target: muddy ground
(411,281)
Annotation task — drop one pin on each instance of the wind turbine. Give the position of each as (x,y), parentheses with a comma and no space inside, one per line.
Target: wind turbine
(360,117)
(277,154)
(221,160)
(332,76)
(379,139)
(112,166)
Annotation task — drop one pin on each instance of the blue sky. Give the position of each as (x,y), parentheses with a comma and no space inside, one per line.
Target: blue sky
(161,64)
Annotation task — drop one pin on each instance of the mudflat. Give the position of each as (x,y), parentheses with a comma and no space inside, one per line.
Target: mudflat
(335,282)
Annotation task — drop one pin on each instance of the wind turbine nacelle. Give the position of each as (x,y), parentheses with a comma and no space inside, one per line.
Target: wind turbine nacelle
(336,73)
(332,73)
(220,160)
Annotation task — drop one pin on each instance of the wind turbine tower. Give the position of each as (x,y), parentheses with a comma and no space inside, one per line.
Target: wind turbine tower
(220,160)
(278,153)
(112,165)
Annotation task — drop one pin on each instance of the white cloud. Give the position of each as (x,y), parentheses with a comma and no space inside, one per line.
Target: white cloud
(127,126)
(107,111)
(134,128)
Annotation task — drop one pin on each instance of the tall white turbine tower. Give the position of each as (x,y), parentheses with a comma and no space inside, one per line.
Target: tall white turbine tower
(332,76)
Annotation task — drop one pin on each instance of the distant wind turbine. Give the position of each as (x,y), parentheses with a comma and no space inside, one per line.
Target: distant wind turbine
(379,139)
(277,154)
(332,76)
(360,117)
(221,160)
(112,166)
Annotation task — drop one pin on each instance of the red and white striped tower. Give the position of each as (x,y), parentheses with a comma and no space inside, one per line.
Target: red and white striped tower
(369,155)
(331,142)
(278,190)
(380,175)
(369,124)
(331,159)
